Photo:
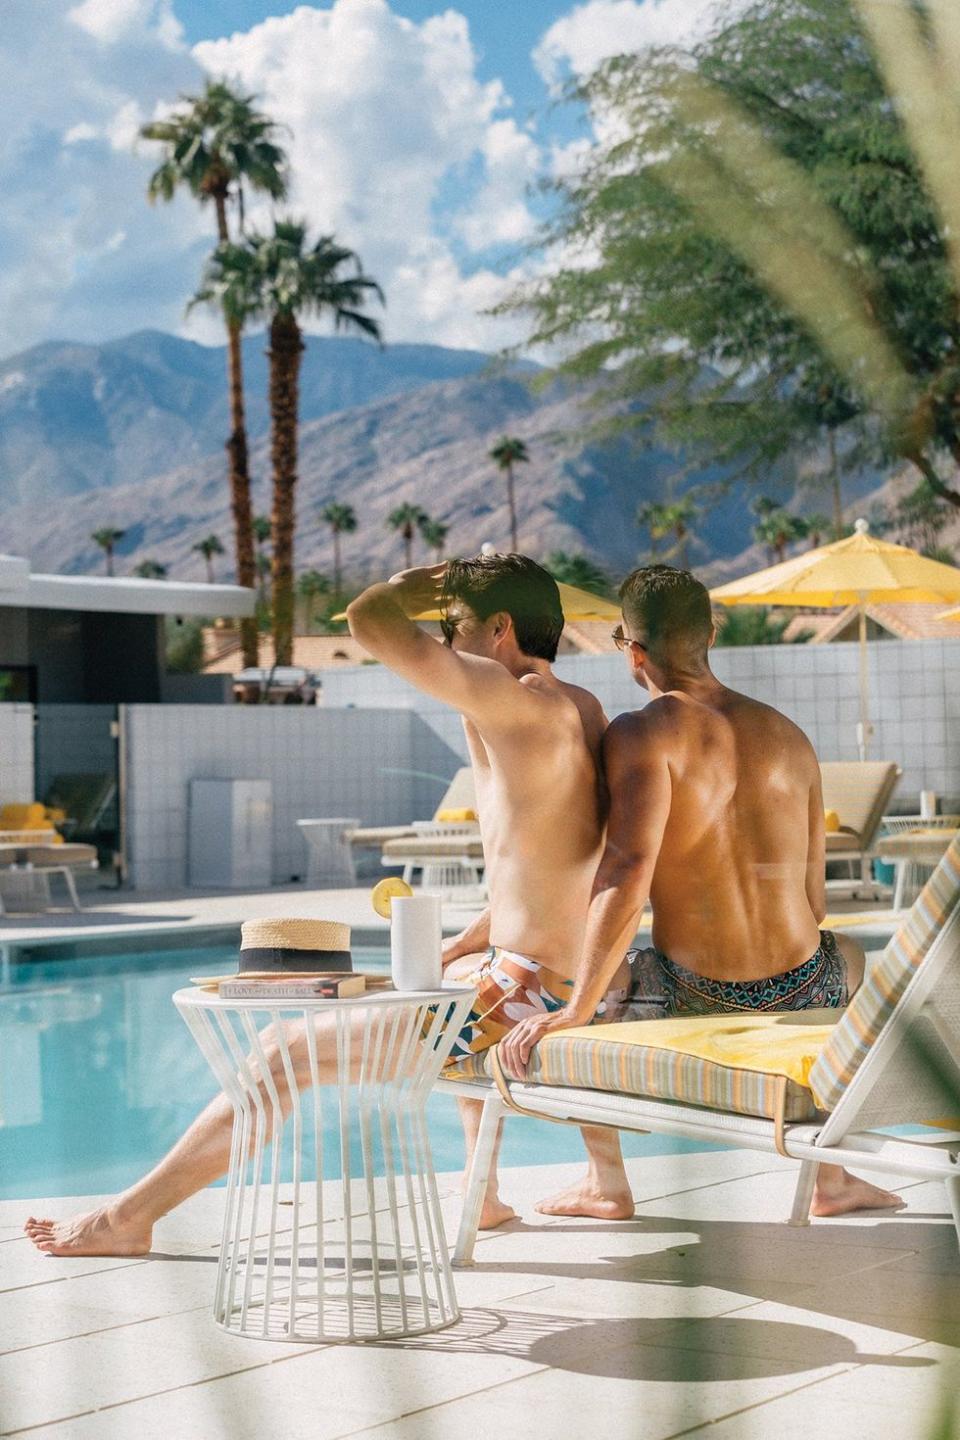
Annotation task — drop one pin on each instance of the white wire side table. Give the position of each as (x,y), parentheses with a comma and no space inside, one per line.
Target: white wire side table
(351,1246)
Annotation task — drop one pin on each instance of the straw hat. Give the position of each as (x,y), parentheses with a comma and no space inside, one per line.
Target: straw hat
(304,946)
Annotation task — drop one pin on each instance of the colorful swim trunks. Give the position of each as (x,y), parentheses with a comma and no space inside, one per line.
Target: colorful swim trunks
(659,988)
(510,988)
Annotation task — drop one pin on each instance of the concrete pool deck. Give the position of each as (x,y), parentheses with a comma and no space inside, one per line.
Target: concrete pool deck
(114,914)
(704,1316)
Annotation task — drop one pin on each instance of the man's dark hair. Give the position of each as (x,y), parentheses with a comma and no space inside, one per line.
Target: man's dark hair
(670,610)
(516,585)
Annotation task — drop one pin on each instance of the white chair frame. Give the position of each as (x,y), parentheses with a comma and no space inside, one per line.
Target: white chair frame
(892,1087)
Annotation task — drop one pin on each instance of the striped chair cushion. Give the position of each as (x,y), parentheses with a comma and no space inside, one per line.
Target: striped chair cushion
(877,997)
(723,1062)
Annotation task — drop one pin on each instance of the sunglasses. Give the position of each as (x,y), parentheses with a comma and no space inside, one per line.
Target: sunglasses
(622,641)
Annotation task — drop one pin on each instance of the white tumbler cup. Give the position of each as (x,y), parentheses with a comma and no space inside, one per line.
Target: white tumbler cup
(928,804)
(416,941)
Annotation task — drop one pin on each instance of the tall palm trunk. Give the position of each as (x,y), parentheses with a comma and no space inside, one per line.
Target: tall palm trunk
(682,554)
(408,547)
(337,586)
(238,462)
(109,557)
(286,349)
(511,500)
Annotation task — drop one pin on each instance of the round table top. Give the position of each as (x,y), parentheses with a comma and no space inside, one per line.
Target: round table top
(193,995)
(921,844)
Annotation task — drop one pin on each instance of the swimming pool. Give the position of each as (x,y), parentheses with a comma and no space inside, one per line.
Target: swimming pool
(99,1075)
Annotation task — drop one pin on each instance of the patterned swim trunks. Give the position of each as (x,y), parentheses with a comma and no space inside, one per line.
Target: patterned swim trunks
(660,988)
(510,988)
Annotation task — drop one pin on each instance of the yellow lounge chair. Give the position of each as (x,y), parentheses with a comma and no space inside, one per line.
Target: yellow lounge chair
(816,1086)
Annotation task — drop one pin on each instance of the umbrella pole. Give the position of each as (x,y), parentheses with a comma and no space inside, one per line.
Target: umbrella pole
(864,728)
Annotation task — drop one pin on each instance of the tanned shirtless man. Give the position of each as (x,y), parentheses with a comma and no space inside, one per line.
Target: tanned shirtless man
(535,746)
(716,816)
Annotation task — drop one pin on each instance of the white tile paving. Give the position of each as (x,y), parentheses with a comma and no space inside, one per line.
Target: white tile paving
(705,1315)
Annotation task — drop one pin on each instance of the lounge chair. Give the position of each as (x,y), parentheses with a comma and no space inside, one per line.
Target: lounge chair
(88,801)
(26,884)
(858,791)
(809,1085)
(449,855)
(459,799)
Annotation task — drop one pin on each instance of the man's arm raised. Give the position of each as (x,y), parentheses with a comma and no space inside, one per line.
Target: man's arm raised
(638,777)
(379,620)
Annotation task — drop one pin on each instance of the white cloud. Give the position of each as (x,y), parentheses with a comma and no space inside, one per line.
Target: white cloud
(592,32)
(384,114)
(397,145)
(112,20)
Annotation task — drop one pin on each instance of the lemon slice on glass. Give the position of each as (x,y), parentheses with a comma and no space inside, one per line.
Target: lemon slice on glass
(385,892)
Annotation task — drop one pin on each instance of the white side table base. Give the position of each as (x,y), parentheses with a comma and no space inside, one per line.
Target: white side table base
(354,1247)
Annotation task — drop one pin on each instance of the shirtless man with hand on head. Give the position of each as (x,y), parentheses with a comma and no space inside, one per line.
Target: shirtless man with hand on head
(535,746)
(716,815)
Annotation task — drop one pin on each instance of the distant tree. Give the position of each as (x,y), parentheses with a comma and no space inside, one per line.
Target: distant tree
(311,586)
(150,570)
(213,145)
(209,547)
(108,538)
(816,528)
(434,534)
(508,452)
(777,529)
(751,625)
(406,518)
(918,519)
(281,277)
(671,517)
(184,647)
(342,520)
(578,570)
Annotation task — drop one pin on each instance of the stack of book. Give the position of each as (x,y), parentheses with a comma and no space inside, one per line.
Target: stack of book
(328,985)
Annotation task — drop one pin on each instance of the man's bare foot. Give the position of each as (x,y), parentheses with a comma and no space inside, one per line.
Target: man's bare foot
(100,1232)
(495,1213)
(587,1199)
(841,1195)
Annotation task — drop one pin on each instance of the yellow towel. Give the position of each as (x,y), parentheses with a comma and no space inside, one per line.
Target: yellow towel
(23,817)
(831,821)
(460,816)
(787,1043)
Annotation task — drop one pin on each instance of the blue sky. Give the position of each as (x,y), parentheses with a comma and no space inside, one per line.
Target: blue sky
(419,131)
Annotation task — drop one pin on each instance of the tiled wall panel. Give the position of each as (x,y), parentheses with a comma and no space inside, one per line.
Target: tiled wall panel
(16,753)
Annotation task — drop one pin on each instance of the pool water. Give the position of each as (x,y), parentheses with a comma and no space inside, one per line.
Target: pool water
(99,1075)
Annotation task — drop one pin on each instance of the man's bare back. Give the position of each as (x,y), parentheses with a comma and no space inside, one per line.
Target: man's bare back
(731,889)
(540,800)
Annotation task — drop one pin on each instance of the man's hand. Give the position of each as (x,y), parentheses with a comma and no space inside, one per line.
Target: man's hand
(516,1045)
(418,590)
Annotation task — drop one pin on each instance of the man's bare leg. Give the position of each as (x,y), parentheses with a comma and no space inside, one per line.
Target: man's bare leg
(837,1192)
(124,1226)
(494,1211)
(604,1192)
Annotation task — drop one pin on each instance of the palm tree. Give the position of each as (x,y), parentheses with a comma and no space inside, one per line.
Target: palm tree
(208,548)
(651,516)
(261,535)
(342,520)
(434,534)
(815,527)
(280,278)
(406,518)
(214,144)
(108,538)
(507,452)
(310,587)
(579,570)
(150,570)
(777,529)
(672,517)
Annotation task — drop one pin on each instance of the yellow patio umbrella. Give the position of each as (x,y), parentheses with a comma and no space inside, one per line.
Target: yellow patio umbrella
(577,604)
(855,571)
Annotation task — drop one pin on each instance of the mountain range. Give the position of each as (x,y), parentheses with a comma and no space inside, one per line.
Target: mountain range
(130,433)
